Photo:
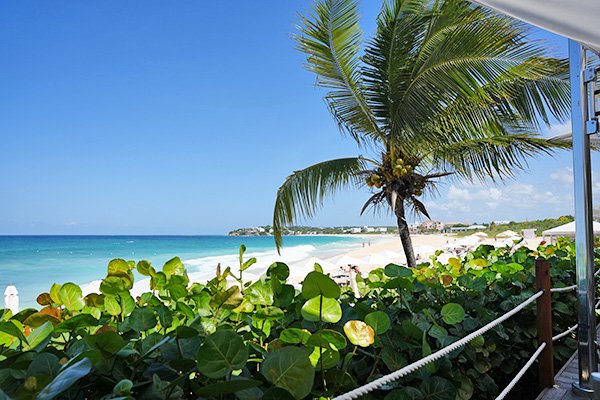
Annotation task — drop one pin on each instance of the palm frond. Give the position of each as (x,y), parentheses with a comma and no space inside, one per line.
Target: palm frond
(304,192)
(331,38)
(495,157)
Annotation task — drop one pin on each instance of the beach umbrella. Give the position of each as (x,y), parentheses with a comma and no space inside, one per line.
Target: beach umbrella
(11,299)
(508,234)
(480,234)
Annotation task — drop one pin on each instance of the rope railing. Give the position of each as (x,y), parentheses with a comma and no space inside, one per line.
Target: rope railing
(563,289)
(565,333)
(377,383)
(520,374)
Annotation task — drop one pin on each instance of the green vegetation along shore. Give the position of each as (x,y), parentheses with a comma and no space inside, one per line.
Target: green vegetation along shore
(230,338)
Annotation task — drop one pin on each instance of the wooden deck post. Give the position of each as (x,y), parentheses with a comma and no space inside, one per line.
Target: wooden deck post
(544,323)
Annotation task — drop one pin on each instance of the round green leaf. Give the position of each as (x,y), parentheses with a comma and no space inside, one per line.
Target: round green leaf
(407,393)
(322,309)
(359,333)
(111,305)
(437,388)
(173,267)
(453,313)
(142,319)
(397,271)
(71,296)
(294,336)
(317,283)
(118,266)
(221,352)
(260,293)
(324,357)
(114,284)
(379,321)
(327,338)
(290,369)
(278,270)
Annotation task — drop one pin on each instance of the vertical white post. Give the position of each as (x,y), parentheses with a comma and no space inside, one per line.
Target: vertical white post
(11,299)
(584,237)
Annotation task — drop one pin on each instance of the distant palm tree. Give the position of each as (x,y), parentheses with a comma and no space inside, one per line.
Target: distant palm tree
(443,88)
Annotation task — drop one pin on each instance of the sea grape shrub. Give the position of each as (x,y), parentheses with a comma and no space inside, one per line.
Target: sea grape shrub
(235,339)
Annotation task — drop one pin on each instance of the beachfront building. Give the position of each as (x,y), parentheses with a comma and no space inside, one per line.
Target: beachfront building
(432,225)
(467,228)
(501,222)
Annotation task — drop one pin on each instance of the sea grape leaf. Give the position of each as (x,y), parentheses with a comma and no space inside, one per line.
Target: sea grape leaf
(37,319)
(39,337)
(260,293)
(437,388)
(326,338)
(359,333)
(11,328)
(407,393)
(322,309)
(294,336)
(114,285)
(317,283)
(453,313)
(221,352)
(44,364)
(145,268)
(379,321)
(65,379)
(142,319)
(232,386)
(54,293)
(44,299)
(230,298)
(173,267)
(71,297)
(78,321)
(324,357)
(397,271)
(111,305)
(118,266)
(289,368)
(279,270)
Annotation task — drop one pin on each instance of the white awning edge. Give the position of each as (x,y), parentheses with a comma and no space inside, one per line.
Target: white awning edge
(573,19)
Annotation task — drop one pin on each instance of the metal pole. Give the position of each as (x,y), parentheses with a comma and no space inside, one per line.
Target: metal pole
(584,238)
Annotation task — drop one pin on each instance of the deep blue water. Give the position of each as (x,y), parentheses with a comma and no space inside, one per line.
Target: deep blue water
(33,263)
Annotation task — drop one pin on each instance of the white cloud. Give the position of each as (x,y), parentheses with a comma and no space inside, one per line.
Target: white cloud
(564,176)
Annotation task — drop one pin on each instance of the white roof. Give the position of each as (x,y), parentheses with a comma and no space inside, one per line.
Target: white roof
(568,230)
(574,19)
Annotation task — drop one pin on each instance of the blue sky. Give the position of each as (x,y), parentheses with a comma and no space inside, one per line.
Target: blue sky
(121,117)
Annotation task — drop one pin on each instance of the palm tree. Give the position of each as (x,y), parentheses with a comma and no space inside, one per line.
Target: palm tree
(443,88)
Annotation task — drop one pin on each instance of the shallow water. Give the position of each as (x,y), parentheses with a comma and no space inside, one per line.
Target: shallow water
(33,263)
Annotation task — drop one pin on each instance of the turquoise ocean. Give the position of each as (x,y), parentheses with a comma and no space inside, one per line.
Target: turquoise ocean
(33,263)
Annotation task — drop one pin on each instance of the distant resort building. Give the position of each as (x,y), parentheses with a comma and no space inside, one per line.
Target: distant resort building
(467,228)
(432,225)
(501,222)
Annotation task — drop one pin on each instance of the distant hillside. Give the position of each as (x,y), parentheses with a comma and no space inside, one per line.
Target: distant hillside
(539,225)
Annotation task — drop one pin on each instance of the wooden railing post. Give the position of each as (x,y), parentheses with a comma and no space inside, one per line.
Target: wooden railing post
(544,323)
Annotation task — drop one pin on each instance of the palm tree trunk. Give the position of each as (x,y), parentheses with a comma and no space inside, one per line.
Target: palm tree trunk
(405,234)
